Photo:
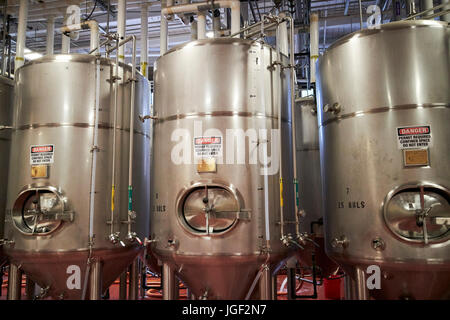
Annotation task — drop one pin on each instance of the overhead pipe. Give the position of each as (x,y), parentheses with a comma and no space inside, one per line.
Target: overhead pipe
(197,7)
(93,26)
(121,25)
(21,34)
(314,45)
(50,35)
(144,39)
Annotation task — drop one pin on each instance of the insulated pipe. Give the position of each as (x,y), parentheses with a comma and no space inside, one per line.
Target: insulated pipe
(445,17)
(196,7)
(21,34)
(121,24)
(95,280)
(50,35)
(93,26)
(282,36)
(30,287)
(14,282)
(201,26)
(426,5)
(314,45)
(144,39)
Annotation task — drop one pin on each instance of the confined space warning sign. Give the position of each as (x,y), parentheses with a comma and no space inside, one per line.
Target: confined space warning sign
(42,154)
(208,147)
(416,137)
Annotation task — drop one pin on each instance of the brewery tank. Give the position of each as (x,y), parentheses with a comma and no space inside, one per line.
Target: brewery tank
(64,224)
(216,217)
(383,113)
(6,106)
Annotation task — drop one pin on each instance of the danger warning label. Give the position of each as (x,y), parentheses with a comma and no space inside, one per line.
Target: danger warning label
(416,137)
(208,147)
(42,154)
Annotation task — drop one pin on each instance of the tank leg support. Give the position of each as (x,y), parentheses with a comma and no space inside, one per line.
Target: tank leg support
(361,288)
(95,281)
(265,284)
(14,282)
(30,288)
(123,286)
(170,283)
(274,287)
(133,289)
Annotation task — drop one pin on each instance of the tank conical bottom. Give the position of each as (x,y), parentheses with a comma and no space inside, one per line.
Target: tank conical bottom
(55,271)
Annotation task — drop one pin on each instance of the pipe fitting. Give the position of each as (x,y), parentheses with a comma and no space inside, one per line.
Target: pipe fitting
(341,242)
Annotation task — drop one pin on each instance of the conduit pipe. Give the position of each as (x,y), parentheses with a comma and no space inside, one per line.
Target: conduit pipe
(21,34)
(121,24)
(144,39)
(314,45)
(50,35)
(92,25)
(197,7)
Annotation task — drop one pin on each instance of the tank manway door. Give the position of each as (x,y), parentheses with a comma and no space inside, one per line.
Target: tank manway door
(40,211)
(210,209)
(419,215)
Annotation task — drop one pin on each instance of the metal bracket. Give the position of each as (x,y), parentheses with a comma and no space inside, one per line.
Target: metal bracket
(68,216)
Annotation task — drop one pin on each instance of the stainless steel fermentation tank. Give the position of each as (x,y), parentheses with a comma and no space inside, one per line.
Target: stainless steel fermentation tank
(50,198)
(212,219)
(6,106)
(310,187)
(384,112)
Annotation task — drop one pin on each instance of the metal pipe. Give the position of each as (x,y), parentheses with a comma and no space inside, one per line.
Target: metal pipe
(197,7)
(428,13)
(4,39)
(265,284)
(360,15)
(93,26)
(133,289)
(314,45)
(50,35)
(282,36)
(274,287)
(121,25)
(426,5)
(21,34)
(123,286)
(194,30)
(65,41)
(201,26)
(144,39)
(163,36)
(131,236)
(361,288)
(292,101)
(445,17)
(95,280)
(169,283)
(14,282)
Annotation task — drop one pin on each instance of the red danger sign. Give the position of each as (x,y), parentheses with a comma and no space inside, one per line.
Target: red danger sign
(41,155)
(414,137)
(208,140)
(40,149)
(414,130)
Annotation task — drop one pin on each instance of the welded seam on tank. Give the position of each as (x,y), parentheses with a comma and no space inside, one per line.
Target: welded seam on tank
(385,109)
(218,114)
(77,125)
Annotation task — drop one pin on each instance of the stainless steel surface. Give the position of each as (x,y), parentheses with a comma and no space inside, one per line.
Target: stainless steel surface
(265,284)
(123,285)
(378,81)
(223,84)
(56,106)
(14,282)
(95,280)
(169,283)
(133,289)
(6,111)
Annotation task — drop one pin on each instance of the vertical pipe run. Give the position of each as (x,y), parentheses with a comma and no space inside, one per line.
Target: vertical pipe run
(123,286)
(235,17)
(282,36)
(133,289)
(201,26)
(21,34)
(265,284)
(361,288)
(121,24)
(144,39)
(14,282)
(194,30)
(50,35)
(95,280)
(65,41)
(169,283)
(163,36)
(314,45)
(425,5)
(445,17)
(274,287)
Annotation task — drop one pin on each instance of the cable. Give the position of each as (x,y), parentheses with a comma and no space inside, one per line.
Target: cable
(90,15)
